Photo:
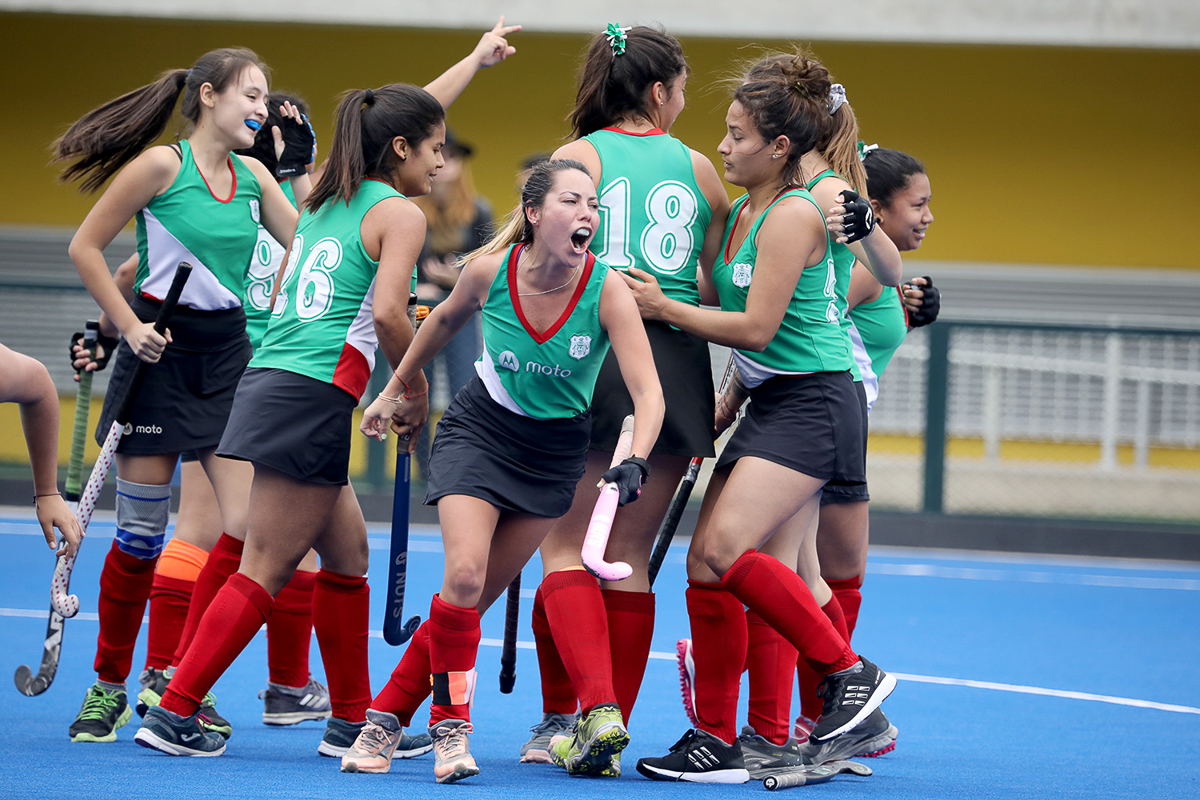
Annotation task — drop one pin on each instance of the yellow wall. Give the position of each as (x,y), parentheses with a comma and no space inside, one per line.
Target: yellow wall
(1036,154)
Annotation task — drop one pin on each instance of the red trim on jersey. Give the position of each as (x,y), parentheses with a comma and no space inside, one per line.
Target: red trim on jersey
(904,308)
(352,371)
(232,172)
(548,334)
(651,132)
(733,230)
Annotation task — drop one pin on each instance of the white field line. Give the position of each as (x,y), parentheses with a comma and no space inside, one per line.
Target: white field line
(1029,576)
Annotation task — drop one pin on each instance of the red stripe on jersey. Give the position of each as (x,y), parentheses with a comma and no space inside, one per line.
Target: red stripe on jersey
(352,371)
(903,307)
(548,334)
(232,172)
(651,132)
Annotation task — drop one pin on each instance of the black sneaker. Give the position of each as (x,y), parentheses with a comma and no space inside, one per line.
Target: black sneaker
(698,757)
(169,733)
(154,683)
(763,757)
(850,697)
(210,720)
(339,737)
(103,711)
(283,705)
(873,737)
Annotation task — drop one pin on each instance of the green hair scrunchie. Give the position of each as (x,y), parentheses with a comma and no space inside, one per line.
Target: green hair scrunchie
(616,38)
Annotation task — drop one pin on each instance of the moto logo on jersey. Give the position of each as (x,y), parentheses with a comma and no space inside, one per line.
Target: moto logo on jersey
(508,360)
(254,213)
(151,429)
(581,345)
(545,369)
(741,275)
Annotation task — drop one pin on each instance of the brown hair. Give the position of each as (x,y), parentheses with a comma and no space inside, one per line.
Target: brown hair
(611,86)
(109,137)
(366,122)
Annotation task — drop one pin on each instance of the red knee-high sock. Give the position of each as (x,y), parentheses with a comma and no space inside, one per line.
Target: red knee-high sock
(781,598)
(169,599)
(223,560)
(453,644)
(811,704)
(719,649)
(770,660)
(558,695)
(341,617)
(409,685)
(125,584)
(630,629)
(289,631)
(849,597)
(234,616)
(575,610)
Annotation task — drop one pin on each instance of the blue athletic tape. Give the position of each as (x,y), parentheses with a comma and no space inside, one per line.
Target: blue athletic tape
(138,546)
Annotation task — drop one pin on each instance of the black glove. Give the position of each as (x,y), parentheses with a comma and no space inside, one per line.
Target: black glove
(931,304)
(628,476)
(859,218)
(299,141)
(106,343)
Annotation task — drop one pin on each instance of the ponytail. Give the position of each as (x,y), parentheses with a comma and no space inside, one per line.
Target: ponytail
(841,148)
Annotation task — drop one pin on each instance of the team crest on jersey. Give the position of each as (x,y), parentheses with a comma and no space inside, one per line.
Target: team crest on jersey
(254,214)
(581,345)
(508,360)
(741,275)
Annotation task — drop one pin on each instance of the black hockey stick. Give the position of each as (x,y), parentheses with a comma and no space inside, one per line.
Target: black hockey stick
(508,652)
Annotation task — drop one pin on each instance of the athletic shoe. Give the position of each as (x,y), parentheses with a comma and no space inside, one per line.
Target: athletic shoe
(698,757)
(873,737)
(168,732)
(687,679)
(339,737)
(537,749)
(381,740)
(452,751)
(210,720)
(850,697)
(154,683)
(590,749)
(763,757)
(803,728)
(103,711)
(285,705)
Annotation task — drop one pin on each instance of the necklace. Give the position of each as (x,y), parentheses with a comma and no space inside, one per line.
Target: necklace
(550,291)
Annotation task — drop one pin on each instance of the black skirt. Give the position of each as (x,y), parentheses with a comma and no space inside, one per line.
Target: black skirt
(685,372)
(185,397)
(814,424)
(836,494)
(291,423)
(515,463)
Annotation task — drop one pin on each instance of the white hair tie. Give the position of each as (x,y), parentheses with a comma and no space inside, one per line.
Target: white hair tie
(837,96)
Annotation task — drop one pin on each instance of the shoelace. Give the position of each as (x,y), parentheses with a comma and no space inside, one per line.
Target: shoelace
(453,742)
(98,703)
(375,736)
(547,726)
(684,741)
(210,701)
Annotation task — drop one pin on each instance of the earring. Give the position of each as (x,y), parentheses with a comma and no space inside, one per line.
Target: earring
(775,155)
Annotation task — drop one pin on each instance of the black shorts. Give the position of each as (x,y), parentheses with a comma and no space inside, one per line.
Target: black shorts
(291,423)
(836,494)
(814,424)
(184,399)
(685,372)
(516,463)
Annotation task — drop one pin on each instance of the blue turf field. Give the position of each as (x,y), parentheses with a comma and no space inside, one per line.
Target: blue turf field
(977,641)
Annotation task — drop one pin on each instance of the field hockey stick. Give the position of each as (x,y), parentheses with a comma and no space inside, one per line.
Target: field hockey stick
(63,602)
(684,493)
(508,653)
(395,630)
(28,683)
(596,540)
(807,776)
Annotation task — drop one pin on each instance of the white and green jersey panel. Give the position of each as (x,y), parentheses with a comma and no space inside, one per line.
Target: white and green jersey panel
(547,375)
(653,215)
(268,255)
(322,325)
(810,337)
(216,236)
(843,264)
(877,329)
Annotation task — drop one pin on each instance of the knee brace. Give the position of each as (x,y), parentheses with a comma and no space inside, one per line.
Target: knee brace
(142,514)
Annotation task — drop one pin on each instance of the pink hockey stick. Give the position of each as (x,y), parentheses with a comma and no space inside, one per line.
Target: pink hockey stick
(596,541)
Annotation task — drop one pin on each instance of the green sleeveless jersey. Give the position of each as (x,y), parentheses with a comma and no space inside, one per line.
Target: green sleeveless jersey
(548,375)
(322,325)
(215,235)
(264,266)
(652,213)
(843,263)
(877,329)
(809,338)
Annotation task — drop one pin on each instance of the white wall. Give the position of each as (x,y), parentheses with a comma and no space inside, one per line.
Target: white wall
(1138,23)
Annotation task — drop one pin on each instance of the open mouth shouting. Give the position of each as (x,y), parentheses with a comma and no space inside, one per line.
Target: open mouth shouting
(580,239)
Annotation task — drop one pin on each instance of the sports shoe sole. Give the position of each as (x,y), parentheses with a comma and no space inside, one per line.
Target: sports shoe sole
(353,767)
(880,745)
(595,757)
(716,776)
(112,736)
(687,671)
(295,717)
(413,752)
(536,756)
(147,738)
(331,751)
(460,772)
(886,686)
